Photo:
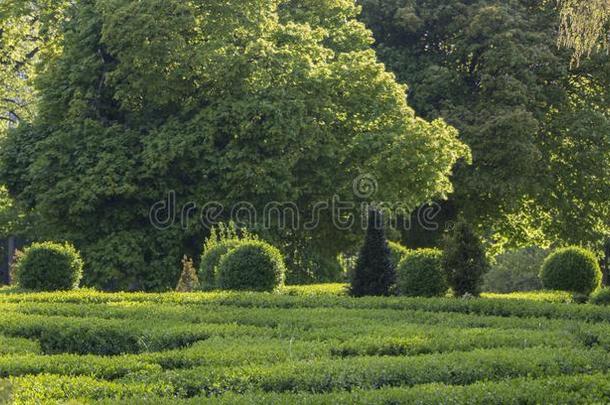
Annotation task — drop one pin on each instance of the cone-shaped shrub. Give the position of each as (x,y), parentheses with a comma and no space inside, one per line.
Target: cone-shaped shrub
(464,260)
(374,273)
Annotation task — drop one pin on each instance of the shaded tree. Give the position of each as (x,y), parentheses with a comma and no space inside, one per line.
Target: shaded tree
(464,260)
(220,101)
(538,130)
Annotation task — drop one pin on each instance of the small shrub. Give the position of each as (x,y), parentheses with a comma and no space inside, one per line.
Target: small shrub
(208,268)
(374,273)
(601,297)
(420,274)
(223,237)
(397,252)
(571,269)
(464,261)
(515,270)
(189,281)
(49,266)
(252,265)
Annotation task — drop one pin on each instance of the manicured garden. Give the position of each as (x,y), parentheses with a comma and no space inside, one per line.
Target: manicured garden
(308,344)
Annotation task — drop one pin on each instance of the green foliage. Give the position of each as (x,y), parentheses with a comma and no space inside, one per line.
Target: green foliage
(397,252)
(49,266)
(374,273)
(571,269)
(515,270)
(49,388)
(537,129)
(464,260)
(601,297)
(252,265)
(421,274)
(30,33)
(253,101)
(223,237)
(208,268)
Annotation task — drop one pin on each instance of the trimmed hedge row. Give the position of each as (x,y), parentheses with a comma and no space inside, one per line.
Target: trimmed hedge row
(16,345)
(69,364)
(46,389)
(58,334)
(494,307)
(584,389)
(374,372)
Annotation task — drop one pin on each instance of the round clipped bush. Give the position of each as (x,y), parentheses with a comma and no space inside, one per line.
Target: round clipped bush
(421,274)
(208,267)
(397,252)
(571,269)
(252,265)
(49,266)
(601,297)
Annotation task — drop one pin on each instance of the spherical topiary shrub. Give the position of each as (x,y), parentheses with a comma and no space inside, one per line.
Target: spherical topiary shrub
(601,297)
(421,274)
(252,265)
(571,269)
(397,252)
(208,267)
(49,266)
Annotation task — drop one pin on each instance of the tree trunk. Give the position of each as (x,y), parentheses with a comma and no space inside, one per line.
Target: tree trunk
(11,254)
(606,266)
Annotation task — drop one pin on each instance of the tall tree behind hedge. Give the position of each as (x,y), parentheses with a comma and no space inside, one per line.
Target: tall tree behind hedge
(464,260)
(374,273)
(212,100)
(538,130)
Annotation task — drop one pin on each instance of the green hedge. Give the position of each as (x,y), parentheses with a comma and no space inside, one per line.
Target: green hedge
(49,266)
(571,269)
(208,268)
(46,389)
(585,389)
(420,274)
(601,297)
(252,265)
(459,368)
(397,252)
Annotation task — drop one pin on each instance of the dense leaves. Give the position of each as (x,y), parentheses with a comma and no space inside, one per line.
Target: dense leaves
(421,274)
(253,266)
(254,101)
(49,266)
(464,260)
(538,130)
(374,273)
(571,269)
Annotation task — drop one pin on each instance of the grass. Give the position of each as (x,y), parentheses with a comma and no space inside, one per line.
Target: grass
(304,344)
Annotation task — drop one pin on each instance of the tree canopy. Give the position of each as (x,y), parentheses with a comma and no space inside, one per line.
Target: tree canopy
(222,101)
(538,130)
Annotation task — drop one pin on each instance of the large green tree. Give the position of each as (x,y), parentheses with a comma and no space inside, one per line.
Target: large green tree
(30,31)
(223,101)
(585,26)
(537,129)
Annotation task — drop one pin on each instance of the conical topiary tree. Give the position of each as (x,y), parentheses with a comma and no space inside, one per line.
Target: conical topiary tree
(374,273)
(464,260)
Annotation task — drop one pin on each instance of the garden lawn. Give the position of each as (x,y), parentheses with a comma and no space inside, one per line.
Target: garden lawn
(302,345)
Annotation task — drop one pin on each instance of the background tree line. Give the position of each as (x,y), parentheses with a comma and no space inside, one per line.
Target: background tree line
(285,100)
